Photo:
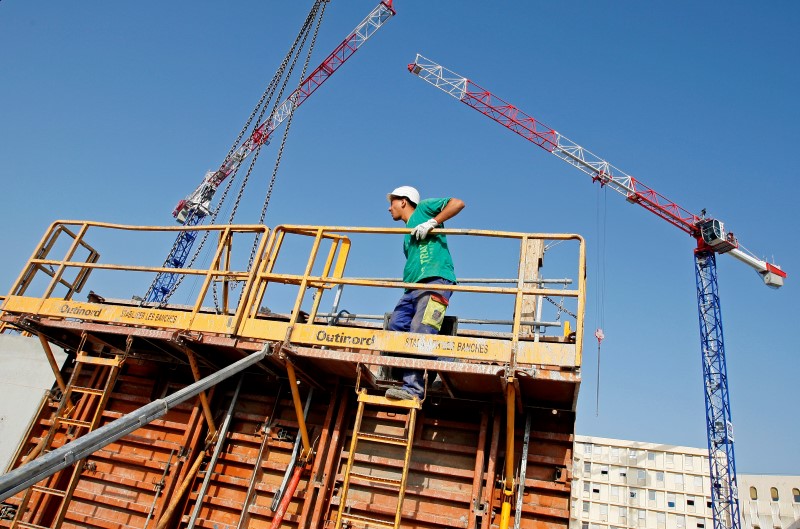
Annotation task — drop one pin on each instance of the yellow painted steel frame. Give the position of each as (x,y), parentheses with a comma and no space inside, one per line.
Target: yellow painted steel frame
(245,321)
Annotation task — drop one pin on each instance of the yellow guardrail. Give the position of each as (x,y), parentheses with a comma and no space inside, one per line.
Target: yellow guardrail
(323,272)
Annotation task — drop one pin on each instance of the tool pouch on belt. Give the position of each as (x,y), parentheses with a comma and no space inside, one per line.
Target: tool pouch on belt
(434,311)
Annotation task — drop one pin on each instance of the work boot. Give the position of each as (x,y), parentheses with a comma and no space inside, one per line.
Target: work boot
(399,394)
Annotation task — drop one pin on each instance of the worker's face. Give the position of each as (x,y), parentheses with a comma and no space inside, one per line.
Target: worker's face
(396,208)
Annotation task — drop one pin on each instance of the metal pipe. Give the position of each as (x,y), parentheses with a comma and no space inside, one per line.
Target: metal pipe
(287,498)
(256,471)
(159,486)
(176,498)
(298,410)
(52,360)
(477,281)
(223,431)
(523,469)
(508,483)
(280,492)
(62,457)
(379,317)
(203,398)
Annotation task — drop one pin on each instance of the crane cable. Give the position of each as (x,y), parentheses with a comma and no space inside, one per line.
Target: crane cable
(601,210)
(283,144)
(302,36)
(258,110)
(315,9)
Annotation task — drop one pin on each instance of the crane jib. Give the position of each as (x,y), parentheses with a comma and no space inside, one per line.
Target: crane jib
(634,191)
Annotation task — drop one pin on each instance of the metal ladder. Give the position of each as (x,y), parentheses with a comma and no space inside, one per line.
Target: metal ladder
(364,399)
(89,407)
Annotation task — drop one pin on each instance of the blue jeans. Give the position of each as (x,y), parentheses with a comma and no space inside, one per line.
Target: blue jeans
(410,316)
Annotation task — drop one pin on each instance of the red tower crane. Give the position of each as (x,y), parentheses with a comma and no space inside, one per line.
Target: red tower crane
(196,206)
(711,239)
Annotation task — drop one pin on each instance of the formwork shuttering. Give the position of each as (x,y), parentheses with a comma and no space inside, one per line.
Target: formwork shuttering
(161,475)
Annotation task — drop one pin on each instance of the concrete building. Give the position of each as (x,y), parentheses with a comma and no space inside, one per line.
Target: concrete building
(25,379)
(620,484)
(627,484)
(769,502)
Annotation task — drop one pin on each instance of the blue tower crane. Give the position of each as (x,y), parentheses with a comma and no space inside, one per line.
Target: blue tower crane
(711,239)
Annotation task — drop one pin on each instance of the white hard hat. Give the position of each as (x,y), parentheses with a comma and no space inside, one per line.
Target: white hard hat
(404,191)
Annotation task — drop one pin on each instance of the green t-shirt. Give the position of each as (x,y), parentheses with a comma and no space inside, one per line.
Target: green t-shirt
(429,257)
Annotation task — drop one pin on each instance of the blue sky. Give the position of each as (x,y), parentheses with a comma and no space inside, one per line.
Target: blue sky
(114,111)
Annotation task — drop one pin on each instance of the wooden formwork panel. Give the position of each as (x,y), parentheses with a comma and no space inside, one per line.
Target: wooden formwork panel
(263,416)
(457,461)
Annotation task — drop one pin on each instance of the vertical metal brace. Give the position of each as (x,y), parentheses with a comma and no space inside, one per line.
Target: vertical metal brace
(298,409)
(217,449)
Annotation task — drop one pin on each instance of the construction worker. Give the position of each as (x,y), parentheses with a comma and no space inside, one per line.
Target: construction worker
(428,260)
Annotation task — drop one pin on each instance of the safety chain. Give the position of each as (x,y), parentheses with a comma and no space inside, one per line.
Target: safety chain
(283,144)
(560,307)
(294,52)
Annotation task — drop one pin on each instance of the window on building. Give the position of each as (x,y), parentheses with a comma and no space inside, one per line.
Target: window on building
(586,507)
(671,501)
(680,522)
(688,462)
(585,525)
(660,477)
(634,497)
(690,503)
(651,495)
(669,460)
(587,448)
(587,470)
(586,486)
(698,483)
(596,490)
(661,520)
(603,513)
(701,524)
(796,494)
(633,454)
(623,513)
(604,471)
(651,456)
(678,479)
(642,475)
(773,492)
(615,492)
(615,454)
(623,474)
(753,493)
(708,504)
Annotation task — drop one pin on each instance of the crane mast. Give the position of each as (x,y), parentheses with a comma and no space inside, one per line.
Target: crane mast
(197,205)
(711,239)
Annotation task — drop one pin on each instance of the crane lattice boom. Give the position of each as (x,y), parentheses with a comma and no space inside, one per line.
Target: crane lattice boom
(200,199)
(708,232)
